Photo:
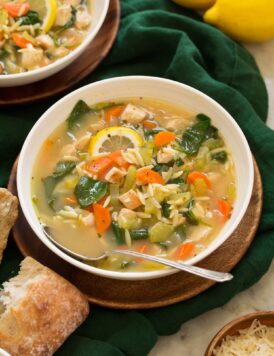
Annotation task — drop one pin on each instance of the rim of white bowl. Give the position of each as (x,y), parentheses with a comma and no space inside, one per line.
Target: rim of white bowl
(36,227)
(74,53)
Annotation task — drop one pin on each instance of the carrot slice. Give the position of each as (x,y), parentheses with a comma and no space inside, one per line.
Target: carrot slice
(198,175)
(164,138)
(17,9)
(20,41)
(148,176)
(225,208)
(119,160)
(115,111)
(99,166)
(183,251)
(149,125)
(102,218)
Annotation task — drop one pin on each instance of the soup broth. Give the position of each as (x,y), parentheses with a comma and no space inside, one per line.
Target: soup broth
(137,174)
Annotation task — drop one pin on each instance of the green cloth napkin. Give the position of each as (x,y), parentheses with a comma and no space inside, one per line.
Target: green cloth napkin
(158,38)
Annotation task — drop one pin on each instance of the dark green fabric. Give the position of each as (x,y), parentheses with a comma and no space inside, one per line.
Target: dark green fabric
(160,39)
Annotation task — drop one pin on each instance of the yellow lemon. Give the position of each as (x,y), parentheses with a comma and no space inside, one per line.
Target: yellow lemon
(112,139)
(47,10)
(243,20)
(195,4)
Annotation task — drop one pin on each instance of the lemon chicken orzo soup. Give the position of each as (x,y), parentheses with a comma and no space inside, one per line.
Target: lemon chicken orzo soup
(35,33)
(139,174)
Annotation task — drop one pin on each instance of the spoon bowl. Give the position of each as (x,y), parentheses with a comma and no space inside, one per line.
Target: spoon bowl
(198,271)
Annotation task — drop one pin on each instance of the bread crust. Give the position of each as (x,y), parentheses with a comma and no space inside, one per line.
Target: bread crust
(47,312)
(8,216)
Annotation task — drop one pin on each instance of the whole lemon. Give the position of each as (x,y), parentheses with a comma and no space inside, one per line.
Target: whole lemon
(195,4)
(243,20)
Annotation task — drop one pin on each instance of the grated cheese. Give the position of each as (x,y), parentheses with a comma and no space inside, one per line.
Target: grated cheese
(257,340)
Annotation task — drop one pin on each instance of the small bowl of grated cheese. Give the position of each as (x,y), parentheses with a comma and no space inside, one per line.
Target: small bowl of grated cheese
(249,335)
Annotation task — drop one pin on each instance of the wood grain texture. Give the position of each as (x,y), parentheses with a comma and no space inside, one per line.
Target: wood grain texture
(68,77)
(148,293)
(232,328)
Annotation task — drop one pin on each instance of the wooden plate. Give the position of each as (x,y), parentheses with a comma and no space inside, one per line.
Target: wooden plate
(148,293)
(244,322)
(76,71)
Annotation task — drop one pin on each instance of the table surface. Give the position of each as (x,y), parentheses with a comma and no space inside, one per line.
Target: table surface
(193,338)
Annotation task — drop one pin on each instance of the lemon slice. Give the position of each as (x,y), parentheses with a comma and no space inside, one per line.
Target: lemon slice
(113,139)
(47,10)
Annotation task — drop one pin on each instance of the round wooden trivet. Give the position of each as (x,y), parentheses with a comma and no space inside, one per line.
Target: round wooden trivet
(148,293)
(76,71)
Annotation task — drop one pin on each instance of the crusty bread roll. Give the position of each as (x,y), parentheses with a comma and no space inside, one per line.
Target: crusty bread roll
(8,215)
(38,311)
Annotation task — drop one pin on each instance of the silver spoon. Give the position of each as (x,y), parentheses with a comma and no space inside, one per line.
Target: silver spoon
(202,272)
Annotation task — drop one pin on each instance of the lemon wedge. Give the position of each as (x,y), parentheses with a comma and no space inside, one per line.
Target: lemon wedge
(112,139)
(47,10)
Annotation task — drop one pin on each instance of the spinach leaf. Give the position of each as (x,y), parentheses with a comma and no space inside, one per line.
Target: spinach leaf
(4,53)
(160,168)
(30,18)
(180,181)
(165,209)
(49,185)
(191,218)
(105,106)
(62,169)
(125,264)
(179,162)
(219,156)
(88,191)
(153,131)
(189,215)
(212,132)
(79,110)
(194,136)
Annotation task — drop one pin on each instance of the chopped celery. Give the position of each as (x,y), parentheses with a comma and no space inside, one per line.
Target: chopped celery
(119,233)
(114,195)
(130,179)
(150,208)
(159,195)
(180,231)
(139,234)
(128,238)
(183,197)
(213,143)
(129,223)
(147,154)
(160,232)
(28,37)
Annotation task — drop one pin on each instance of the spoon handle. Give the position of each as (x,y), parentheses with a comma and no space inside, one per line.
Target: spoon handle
(198,271)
